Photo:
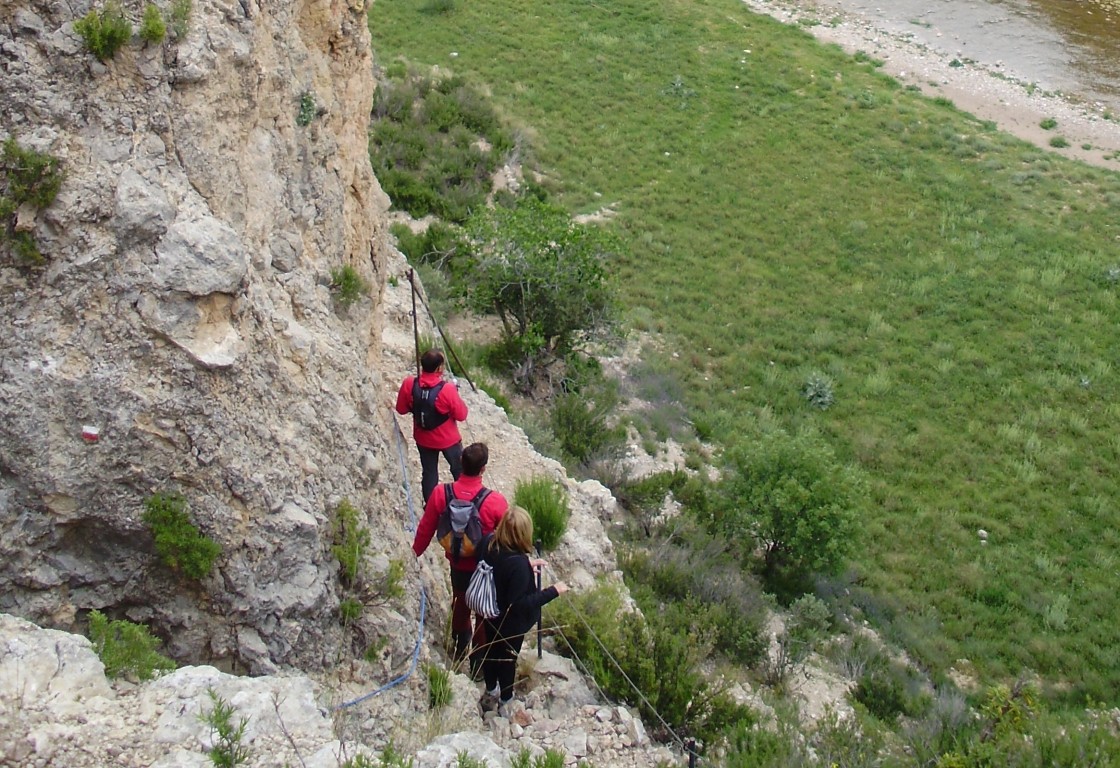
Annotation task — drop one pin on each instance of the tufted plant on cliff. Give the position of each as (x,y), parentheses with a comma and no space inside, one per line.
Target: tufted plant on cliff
(347,285)
(547,505)
(351,542)
(152,27)
(126,648)
(104,31)
(27,178)
(179,542)
(179,17)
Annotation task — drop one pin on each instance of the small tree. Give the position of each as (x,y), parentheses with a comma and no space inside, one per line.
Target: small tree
(178,541)
(791,498)
(104,31)
(540,273)
(126,648)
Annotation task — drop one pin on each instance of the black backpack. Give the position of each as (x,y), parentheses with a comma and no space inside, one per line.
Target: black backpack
(459,528)
(424,412)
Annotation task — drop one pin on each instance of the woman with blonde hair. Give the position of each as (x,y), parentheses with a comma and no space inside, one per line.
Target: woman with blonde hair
(519,604)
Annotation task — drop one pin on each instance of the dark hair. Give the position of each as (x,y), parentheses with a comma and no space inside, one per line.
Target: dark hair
(474,459)
(431,360)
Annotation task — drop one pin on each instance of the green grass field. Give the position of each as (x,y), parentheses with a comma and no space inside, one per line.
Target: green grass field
(792,210)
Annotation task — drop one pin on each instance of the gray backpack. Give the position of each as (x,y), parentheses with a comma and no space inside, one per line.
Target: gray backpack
(459,529)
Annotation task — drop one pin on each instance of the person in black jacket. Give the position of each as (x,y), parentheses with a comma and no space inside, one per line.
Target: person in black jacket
(519,603)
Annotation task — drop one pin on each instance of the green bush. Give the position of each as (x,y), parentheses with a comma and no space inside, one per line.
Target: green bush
(153,28)
(307,109)
(126,648)
(104,31)
(582,425)
(350,541)
(798,502)
(178,541)
(646,655)
(547,505)
(348,285)
(27,177)
(551,758)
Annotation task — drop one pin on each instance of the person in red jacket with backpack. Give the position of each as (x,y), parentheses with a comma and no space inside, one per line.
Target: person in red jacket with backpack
(491,507)
(436,408)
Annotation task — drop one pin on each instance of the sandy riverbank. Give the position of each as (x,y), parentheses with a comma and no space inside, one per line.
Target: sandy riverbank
(982,88)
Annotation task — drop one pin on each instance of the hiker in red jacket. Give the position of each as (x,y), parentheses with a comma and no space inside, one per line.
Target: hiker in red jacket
(490,512)
(436,408)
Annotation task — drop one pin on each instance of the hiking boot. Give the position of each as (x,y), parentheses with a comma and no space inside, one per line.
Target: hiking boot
(488,703)
(509,708)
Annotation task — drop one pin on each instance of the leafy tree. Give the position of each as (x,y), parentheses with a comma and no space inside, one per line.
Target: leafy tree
(541,273)
(795,501)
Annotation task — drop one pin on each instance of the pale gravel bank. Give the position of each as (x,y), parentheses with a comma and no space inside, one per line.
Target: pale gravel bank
(983,88)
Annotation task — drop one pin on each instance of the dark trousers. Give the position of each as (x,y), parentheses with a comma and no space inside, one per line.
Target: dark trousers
(499,665)
(461,625)
(429,466)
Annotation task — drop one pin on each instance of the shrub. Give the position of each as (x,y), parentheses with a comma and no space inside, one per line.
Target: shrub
(347,285)
(819,390)
(27,177)
(798,503)
(547,505)
(152,28)
(178,541)
(1059,142)
(581,425)
(550,758)
(126,648)
(628,654)
(307,109)
(104,31)
(351,541)
(1048,124)
(180,17)
(228,750)
(439,686)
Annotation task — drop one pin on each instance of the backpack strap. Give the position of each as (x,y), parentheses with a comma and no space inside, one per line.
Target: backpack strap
(479,498)
(448,495)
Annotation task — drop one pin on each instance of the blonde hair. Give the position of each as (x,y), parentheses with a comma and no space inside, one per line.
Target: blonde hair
(515,531)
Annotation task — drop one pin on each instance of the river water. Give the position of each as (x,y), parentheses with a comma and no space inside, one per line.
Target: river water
(1066,46)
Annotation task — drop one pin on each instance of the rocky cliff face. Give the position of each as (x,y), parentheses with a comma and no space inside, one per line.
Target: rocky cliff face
(184,310)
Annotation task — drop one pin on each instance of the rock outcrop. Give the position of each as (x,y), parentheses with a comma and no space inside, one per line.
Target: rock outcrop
(185,312)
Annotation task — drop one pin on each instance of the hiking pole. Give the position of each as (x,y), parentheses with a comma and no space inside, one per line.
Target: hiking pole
(416,328)
(540,569)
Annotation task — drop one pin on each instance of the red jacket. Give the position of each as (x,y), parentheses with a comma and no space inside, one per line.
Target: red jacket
(493,507)
(449,402)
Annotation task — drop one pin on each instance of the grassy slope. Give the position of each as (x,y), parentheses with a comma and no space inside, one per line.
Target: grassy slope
(792,210)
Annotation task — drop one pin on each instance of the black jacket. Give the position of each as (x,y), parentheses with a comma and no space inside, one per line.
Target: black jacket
(519,600)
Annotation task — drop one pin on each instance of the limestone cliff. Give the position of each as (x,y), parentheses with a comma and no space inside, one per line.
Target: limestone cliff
(185,311)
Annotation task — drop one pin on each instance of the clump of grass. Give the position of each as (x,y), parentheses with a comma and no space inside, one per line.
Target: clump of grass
(179,16)
(348,285)
(126,648)
(350,610)
(1059,142)
(179,543)
(104,31)
(439,686)
(152,27)
(547,504)
(1048,124)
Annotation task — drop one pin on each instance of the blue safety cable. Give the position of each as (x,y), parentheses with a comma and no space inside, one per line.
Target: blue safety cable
(423,593)
(411,666)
